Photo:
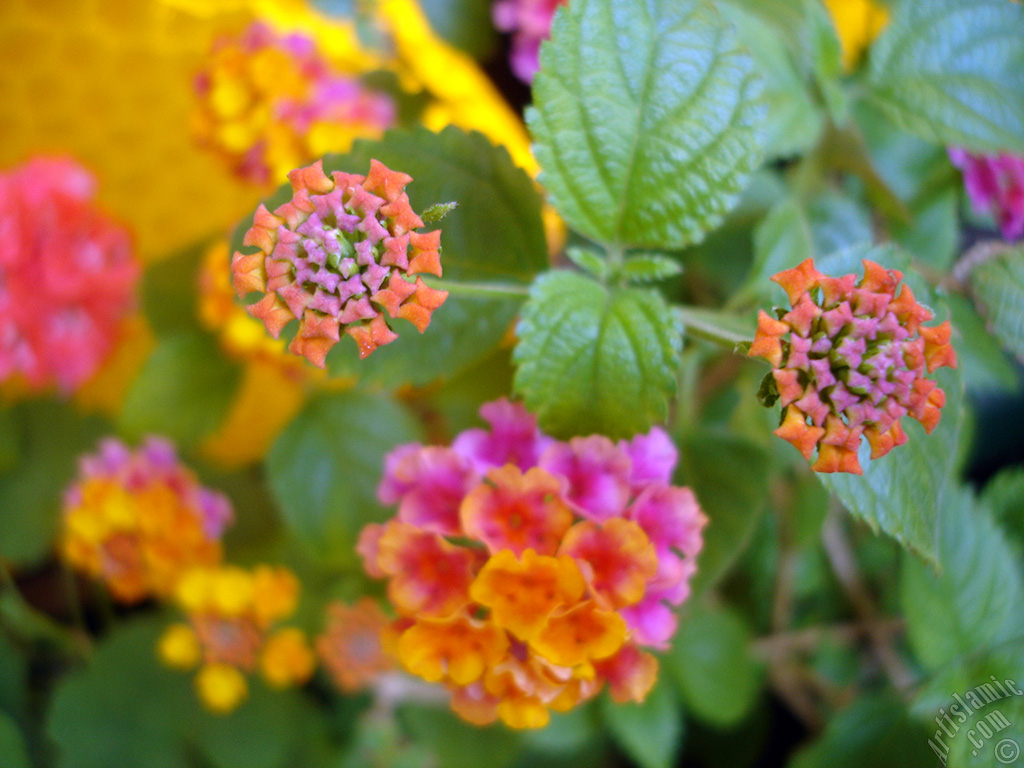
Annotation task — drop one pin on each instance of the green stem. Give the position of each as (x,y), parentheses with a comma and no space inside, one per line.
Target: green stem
(701,324)
(480,290)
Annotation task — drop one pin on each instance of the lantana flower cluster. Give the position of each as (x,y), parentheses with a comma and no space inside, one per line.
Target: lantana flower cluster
(529,572)
(995,184)
(358,644)
(231,632)
(270,102)
(67,275)
(139,520)
(849,362)
(337,256)
(529,21)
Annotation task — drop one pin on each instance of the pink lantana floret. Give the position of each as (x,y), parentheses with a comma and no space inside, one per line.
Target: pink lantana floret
(529,21)
(67,275)
(995,184)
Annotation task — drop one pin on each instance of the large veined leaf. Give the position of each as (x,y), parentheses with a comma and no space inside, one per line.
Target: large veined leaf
(12,745)
(646,119)
(324,469)
(596,359)
(952,72)
(973,601)
(902,492)
(998,286)
(973,708)
(495,234)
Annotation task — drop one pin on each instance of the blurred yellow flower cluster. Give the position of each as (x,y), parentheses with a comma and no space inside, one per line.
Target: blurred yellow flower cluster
(230,632)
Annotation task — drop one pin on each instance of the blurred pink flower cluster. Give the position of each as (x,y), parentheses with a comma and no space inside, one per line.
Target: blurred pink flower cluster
(995,184)
(529,21)
(67,275)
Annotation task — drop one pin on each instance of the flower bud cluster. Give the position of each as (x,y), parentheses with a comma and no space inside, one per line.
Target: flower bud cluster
(530,572)
(336,257)
(849,362)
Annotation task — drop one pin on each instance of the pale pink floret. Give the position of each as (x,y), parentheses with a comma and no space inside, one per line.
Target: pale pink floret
(653,458)
(995,184)
(67,275)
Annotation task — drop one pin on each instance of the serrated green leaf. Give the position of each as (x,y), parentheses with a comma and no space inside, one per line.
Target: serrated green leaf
(324,469)
(730,476)
(496,233)
(53,434)
(12,745)
(983,362)
(649,267)
(589,261)
(650,733)
(902,492)
(646,120)
(183,392)
(874,731)
(973,709)
(952,72)
(973,601)
(998,288)
(593,359)
(712,662)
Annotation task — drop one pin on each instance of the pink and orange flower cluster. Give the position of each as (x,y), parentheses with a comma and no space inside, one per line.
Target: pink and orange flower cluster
(530,572)
(337,256)
(67,275)
(270,102)
(849,362)
(139,520)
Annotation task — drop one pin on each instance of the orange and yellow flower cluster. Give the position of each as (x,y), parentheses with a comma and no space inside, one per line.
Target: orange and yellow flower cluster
(336,257)
(530,572)
(139,520)
(232,613)
(270,102)
(853,363)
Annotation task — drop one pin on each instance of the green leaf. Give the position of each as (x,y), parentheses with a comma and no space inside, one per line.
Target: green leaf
(651,732)
(982,361)
(998,288)
(712,662)
(10,439)
(123,709)
(837,223)
(13,679)
(52,436)
(589,261)
(933,233)
(325,466)
(730,476)
(1004,496)
(952,72)
(456,743)
(183,392)
(259,734)
(12,745)
(781,241)
(436,213)
(593,359)
(496,233)
(902,492)
(875,730)
(974,600)
(645,121)
(973,709)
(466,24)
(169,290)
(794,122)
(649,268)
